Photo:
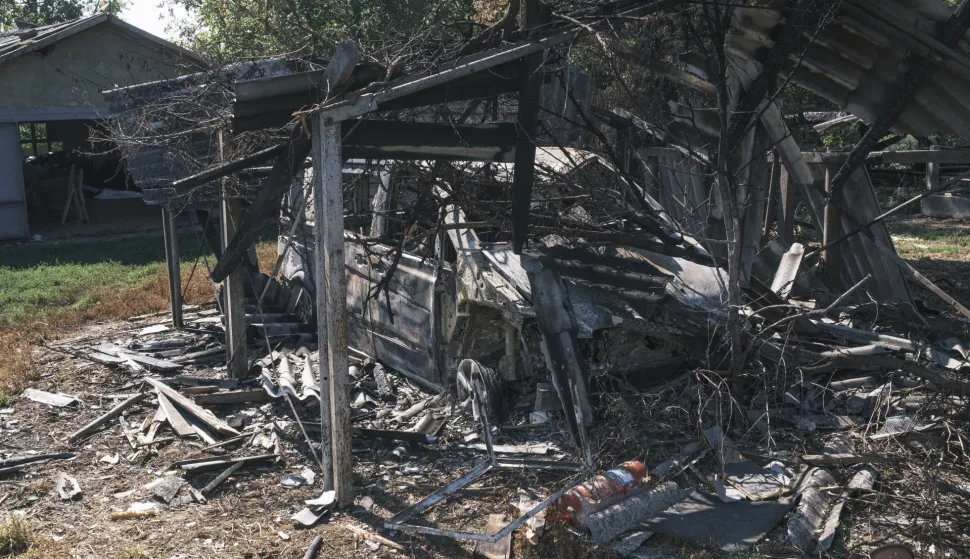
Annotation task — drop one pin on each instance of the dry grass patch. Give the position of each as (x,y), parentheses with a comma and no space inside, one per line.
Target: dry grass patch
(48,290)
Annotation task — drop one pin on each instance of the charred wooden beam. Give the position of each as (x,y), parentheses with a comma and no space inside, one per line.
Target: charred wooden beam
(525,150)
(182,186)
(267,203)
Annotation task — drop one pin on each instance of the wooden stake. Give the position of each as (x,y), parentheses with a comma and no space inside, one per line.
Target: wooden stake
(786,206)
(82,205)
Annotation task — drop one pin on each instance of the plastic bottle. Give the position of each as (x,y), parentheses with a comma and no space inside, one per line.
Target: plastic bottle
(600,491)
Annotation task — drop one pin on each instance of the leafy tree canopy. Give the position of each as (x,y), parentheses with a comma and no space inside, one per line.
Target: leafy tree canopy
(233,29)
(46,12)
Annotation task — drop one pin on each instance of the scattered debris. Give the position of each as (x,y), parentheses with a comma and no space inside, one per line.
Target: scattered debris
(372,537)
(67,487)
(500,549)
(49,398)
(136,510)
(314,550)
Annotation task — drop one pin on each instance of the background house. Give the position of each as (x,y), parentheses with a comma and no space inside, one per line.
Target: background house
(53,77)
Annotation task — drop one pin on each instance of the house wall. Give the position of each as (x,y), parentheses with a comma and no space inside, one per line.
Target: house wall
(64,81)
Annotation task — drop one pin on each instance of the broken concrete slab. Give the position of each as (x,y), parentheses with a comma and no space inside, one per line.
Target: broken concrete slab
(946,205)
(166,488)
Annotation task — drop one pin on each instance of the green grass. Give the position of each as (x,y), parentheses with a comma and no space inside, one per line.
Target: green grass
(15,537)
(48,290)
(915,241)
(38,281)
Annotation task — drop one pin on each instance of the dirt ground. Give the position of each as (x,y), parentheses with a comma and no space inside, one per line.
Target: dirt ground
(920,498)
(249,516)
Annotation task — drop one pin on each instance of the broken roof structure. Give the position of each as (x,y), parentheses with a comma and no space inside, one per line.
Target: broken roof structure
(616,266)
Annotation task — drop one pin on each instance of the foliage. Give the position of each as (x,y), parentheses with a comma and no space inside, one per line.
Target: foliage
(15,536)
(234,29)
(46,12)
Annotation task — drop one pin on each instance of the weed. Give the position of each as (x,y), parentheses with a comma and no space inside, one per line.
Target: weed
(15,536)
(6,398)
(134,552)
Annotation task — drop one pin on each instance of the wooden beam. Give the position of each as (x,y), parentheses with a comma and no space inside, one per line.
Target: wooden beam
(233,286)
(221,170)
(771,200)
(173,262)
(266,204)
(902,157)
(832,228)
(331,302)
(525,150)
(111,414)
(786,206)
(933,171)
(385,133)
(340,68)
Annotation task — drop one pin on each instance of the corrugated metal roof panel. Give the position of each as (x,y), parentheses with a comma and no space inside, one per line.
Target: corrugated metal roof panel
(858,58)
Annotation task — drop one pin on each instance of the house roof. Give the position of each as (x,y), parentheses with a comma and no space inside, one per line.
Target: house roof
(16,43)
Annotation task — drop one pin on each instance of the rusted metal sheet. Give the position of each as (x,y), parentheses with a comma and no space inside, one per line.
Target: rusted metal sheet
(403,335)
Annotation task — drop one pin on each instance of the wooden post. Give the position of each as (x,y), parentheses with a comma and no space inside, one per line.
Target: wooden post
(173,261)
(786,206)
(933,172)
(70,194)
(771,207)
(233,288)
(525,150)
(331,297)
(832,229)
(82,206)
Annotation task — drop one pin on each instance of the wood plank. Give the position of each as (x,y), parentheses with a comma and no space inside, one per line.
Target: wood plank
(191,407)
(525,150)
(151,362)
(111,414)
(500,549)
(786,207)
(173,266)
(175,418)
(847,459)
(71,193)
(331,289)
(233,287)
(831,230)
